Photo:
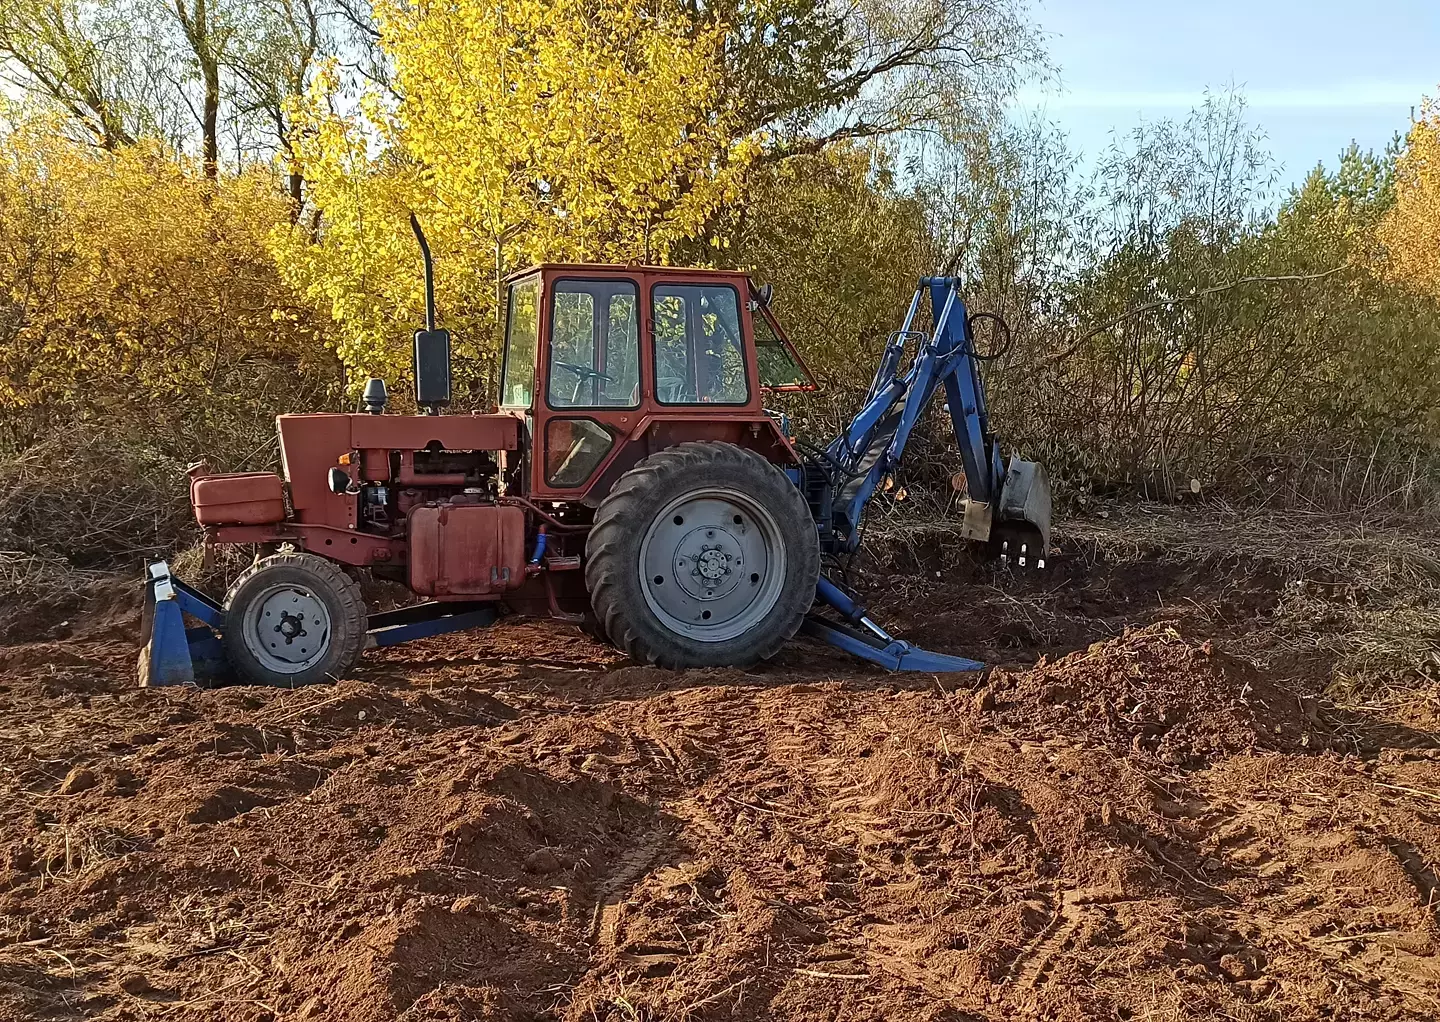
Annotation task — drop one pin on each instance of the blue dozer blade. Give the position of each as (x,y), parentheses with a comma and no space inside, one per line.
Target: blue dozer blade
(174,654)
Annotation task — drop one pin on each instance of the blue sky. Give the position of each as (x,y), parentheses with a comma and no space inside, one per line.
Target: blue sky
(1316,73)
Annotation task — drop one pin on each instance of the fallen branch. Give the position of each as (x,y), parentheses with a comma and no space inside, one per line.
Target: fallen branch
(833,975)
(1345,938)
(1420,792)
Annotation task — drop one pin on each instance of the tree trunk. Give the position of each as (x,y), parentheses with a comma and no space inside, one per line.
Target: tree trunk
(210,128)
(208,43)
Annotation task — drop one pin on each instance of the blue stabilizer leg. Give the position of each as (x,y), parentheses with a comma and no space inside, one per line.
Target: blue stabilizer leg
(864,638)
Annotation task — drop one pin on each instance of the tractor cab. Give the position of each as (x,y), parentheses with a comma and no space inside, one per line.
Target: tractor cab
(602,360)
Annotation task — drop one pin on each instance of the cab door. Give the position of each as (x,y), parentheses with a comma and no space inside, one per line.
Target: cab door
(589,375)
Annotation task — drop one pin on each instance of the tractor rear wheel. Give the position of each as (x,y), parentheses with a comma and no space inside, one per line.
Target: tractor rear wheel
(293,619)
(703,555)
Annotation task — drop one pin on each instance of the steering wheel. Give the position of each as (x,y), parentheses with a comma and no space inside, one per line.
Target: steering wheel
(583,375)
(584,372)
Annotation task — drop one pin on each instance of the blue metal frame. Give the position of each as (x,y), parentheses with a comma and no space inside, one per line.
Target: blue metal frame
(176,655)
(880,431)
(424,620)
(946,357)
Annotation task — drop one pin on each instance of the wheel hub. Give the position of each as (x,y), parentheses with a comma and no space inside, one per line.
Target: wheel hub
(708,563)
(292,626)
(287,628)
(712,564)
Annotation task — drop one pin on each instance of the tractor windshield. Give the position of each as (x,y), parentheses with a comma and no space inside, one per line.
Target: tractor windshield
(780,365)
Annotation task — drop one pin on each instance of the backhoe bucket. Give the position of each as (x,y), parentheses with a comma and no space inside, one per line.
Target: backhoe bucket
(1024,512)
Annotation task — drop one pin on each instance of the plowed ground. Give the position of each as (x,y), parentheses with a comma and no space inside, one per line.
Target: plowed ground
(518,825)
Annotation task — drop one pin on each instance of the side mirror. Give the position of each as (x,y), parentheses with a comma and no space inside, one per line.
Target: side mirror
(766,294)
(432,369)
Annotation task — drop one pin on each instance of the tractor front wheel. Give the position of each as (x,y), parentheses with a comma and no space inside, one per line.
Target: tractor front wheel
(293,619)
(703,555)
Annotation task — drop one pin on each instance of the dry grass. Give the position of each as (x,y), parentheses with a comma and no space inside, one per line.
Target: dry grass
(20,572)
(214,571)
(93,499)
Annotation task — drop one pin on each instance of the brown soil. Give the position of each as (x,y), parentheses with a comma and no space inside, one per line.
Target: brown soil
(519,825)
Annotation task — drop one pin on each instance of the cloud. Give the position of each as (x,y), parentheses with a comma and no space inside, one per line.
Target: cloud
(1350,96)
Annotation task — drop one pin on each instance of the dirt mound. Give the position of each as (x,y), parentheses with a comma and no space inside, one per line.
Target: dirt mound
(1152,691)
(42,601)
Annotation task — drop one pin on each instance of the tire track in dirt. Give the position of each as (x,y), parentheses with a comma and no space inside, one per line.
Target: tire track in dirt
(628,870)
(1421,873)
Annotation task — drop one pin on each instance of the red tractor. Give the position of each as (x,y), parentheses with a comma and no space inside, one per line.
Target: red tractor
(630,478)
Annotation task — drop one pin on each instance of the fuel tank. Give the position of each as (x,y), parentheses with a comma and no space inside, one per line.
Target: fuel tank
(466,550)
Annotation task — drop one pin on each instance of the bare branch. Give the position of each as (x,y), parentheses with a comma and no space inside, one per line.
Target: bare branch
(1138,310)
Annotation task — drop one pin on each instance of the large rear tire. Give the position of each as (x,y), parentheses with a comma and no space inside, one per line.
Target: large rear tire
(703,555)
(293,619)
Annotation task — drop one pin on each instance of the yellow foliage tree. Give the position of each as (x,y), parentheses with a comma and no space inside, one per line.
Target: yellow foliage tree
(544,129)
(1411,230)
(129,286)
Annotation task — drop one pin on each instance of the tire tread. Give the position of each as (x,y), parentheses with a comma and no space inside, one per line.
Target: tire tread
(351,628)
(622,516)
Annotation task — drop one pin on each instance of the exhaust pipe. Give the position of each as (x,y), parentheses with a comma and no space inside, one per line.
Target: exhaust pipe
(431,349)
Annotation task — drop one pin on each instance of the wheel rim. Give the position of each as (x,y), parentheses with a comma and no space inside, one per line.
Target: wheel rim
(287,628)
(712,564)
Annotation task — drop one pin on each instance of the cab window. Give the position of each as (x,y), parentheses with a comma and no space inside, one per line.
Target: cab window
(780,368)
(594,345)
(574,448)
(522,336)
(699,355)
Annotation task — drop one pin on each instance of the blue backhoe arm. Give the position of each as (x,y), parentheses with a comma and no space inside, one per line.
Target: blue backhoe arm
(1006,507)
(872,446)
